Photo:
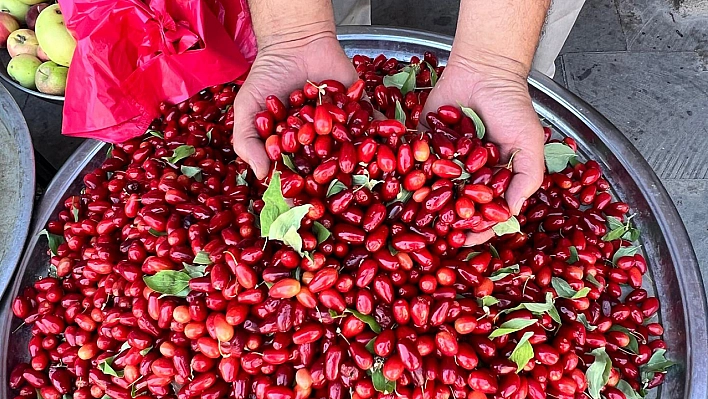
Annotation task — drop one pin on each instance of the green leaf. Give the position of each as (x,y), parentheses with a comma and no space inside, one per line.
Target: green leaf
(584,321)
(321,232)
(512,326)
(335,187)
(409,84)
(633,345)
(573,255)
(208,134)
(631,235)
(557,156)
(504,272)
(156,233)
(511,226)
(241,178)
(284,228)
(275,204)
(592,280)
(598,373)
(471,256)
(75,213)
(145,351)
(192,171)
(168,282)
(39,394)
(487,300)
(53,239)
(627,390)
(478,124)
(105,367)
(157,134)
(370,345)
(523,352)
(381,384)
(396,80)
(614,223)
(194,271)
(625,251)
(657,362)
(109,151)
(494,251)
(400,115)
(368,319)
(180,153)
(433,74)
(288,161)
(614,234)
(539,308)
(564,290)
(365,181)
(202,258)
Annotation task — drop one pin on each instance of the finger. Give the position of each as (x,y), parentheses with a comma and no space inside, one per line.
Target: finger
(246,141)
(478,238)
(527,178)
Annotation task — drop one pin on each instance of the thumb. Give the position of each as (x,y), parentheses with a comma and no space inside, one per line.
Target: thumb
(246,141)
(527,178)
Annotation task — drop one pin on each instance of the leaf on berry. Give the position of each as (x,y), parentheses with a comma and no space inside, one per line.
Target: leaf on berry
(471,256)
(476,120)
(400,114)
(433,74)
(157,134)
(321,232)
(75,213)
(365,181)
(631,235)
(105,367)
(657,363)
(584,321)
(557,156)
(487,301)
(241,178)
(368,319)
(284,228)
(511,226)
(180,153)
(381,384)
(202,258)
(275,204)
(591,279)
(168,282)
(53,239)
(192,171)
(564,290)
(627,390)
(396,80)
(624,251)
(156,233)
(539,308)
(145,351)
(573,255)
(370,345)
(598,373)
(335,187)
(633,345)
(288,161)
(194,271)
(504,272)
(512,326)
(494,251)
(523,352)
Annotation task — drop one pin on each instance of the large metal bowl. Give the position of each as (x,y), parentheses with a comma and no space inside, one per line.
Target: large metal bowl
(17,180)
(674,269)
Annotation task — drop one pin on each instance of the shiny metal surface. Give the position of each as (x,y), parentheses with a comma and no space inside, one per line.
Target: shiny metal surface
(674,269)
(4,59)
(17,179)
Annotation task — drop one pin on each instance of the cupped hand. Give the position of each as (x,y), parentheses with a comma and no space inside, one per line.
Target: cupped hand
(500,96)
(278,69)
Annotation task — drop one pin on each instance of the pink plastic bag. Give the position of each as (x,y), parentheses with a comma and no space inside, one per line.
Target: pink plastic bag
(131,55)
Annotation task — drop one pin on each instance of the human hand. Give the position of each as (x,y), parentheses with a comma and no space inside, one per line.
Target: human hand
(496,89)
(279,68)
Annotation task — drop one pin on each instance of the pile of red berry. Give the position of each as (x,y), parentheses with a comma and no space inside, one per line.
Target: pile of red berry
(176,274)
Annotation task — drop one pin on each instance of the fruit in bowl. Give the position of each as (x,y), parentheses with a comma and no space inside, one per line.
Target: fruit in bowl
(33,13)
(8,24)
(16,8)
(50,78)
(22,41)
(55,39)
(23,68)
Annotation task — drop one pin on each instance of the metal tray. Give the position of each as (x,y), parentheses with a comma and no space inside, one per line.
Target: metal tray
(17,179)
(674,270)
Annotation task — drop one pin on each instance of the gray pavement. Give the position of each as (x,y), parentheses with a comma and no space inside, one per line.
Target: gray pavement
(641,63)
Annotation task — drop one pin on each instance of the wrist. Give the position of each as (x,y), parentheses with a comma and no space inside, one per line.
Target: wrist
(487,66)
(292,35)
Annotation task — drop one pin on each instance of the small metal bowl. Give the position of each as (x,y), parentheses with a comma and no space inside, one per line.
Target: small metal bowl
(4,59)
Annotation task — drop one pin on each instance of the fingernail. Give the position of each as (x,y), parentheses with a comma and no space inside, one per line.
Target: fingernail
(253,167)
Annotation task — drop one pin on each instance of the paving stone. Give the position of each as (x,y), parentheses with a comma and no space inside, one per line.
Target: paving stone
(657,100)
(44,121)
(437,16)
(690,198)
(598,28)
(665,25)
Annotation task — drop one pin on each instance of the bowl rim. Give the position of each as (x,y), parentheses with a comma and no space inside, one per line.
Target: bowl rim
(6,77)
